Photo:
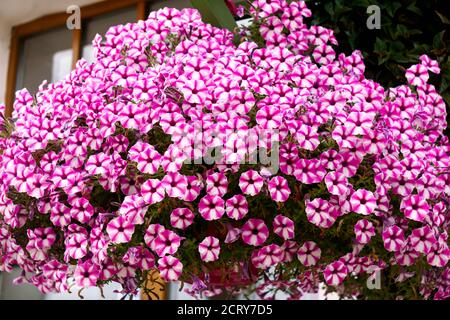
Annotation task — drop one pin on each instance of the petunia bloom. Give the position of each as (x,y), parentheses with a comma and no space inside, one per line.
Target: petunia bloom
(170,268)
(209,249)
(309,253)
(120,230)
(254,232)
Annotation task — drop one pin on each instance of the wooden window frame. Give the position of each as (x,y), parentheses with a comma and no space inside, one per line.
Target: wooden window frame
(52,21)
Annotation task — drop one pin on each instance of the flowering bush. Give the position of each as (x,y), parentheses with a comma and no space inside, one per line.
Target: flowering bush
(271,164)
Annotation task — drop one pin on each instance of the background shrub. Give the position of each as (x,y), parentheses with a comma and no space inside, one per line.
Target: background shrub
(409,28)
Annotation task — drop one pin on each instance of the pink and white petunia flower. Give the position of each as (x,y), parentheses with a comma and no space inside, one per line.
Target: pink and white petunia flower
(406,256)
(430,64)
(139,257)
(422,239)
(269,256)
(417,75)
(309,254)
(150,234)
(147,158)
(335,273)
(193,188)
(279,189)
(267,7)
(324,54)
(81,210)
(393,238)
(211,207)
(124,76)
(251,182)
(98,164)
(364,231)
(290,249)
(134,208)
(307,137)
(175,184)
(344,136)
(64,177)
(415,207)
(195,91)
(233,235)
(360,122)
(130,186)
(170,268)
(166,242)
(236,207)
(439,255)
(152,191)
(42,238)
(217,184)
(60,215)
(86,274)
(209,249)
(181,218)
(270,27)
(283,227)
(120,230)
(320,213)
(337,183)
(363,202)
(76,246)
(309,171)
(254,232)
(269,117)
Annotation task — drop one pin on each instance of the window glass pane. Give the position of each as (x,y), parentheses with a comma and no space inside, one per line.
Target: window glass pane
(179,4)
(46,56)
(101,24)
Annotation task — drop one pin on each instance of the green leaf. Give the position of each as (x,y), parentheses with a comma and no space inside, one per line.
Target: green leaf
(412,7)
(412,55)
(438,40)
(382,60)
(216,13)
(412,32)
(396,46)
(420,48)
(443,18)
(400,58)
(401,30)
(329,8)
(380,45)
(392,8)
(405,32)
(444,84)
(341,10)
(351,39)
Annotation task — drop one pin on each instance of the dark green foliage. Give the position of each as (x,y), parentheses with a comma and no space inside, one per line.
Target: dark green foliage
(215,12)
(409,28)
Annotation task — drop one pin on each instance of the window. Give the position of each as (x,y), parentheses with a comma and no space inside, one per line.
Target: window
(45,56)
